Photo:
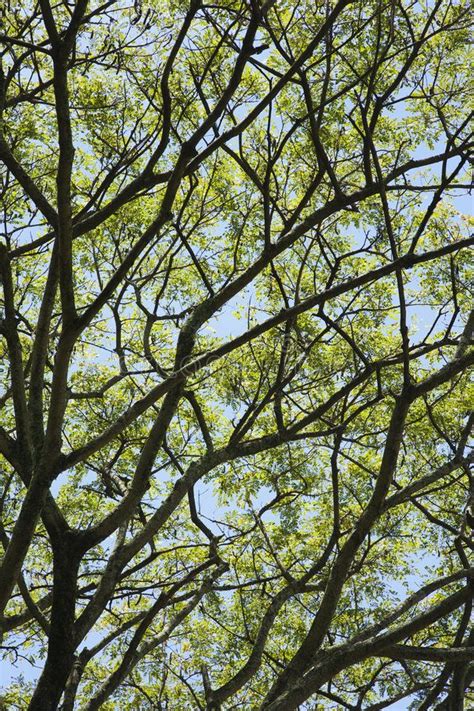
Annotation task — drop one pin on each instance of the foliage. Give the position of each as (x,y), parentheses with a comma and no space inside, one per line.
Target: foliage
(235,342)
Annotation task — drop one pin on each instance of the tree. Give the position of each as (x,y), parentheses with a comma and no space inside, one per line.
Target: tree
(235,341)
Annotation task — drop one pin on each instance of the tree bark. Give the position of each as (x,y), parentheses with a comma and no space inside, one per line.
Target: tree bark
(62,643)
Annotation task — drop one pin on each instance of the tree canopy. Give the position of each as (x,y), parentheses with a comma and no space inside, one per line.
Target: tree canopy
(235,342)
